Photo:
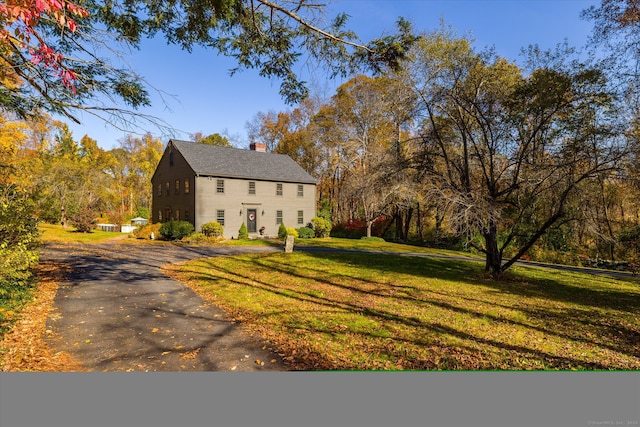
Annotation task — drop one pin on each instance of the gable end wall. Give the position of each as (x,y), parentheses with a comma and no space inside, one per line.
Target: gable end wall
(166,173)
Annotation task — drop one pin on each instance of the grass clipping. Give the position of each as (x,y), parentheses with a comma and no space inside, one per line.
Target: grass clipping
(23,348)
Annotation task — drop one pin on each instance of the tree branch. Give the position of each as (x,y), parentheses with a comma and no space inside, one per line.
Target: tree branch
(313,28)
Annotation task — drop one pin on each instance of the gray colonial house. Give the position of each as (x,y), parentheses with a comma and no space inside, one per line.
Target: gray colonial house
(203,183)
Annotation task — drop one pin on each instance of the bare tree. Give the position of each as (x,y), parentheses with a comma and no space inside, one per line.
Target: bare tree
(507,154)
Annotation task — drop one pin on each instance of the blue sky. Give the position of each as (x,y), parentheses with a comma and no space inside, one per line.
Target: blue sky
(200,96)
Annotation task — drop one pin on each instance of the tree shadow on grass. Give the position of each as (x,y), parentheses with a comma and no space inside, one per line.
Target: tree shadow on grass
(385,316)
(574,323)
(458,357)
(470,272)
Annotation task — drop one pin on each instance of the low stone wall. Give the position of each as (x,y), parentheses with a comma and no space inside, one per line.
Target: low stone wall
(610,265)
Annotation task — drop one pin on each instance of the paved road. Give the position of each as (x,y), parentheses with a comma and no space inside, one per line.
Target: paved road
(118,312)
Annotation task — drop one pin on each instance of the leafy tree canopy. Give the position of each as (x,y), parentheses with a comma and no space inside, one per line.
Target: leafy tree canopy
(215,139)
(616,19)
(50,49)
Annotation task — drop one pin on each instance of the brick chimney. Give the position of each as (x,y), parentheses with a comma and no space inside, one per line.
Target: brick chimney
(258,146)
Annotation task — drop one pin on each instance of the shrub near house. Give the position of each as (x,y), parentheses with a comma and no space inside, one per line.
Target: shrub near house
(176,230)
(321,226)
(242,232)
(305,233)
(212,229)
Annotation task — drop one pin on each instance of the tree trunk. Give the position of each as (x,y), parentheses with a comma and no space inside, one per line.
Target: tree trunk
(399,225)
(385,227)
(63,218)
(439,219)
(493,264)
(612,237)
(419,223)
(369,226)
(407,224)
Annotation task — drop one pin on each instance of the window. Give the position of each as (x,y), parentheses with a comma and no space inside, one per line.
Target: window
(177,217)
(171,159)
(278,189)
(220,186)
(159,189)
(300,190)
(159,216)
(167,188)
(186,186)
(177,186)
(300,217)
(278,217)
(252,188)
(220,217)
(187,215)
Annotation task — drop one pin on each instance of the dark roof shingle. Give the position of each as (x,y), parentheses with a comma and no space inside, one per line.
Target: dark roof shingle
(211,160)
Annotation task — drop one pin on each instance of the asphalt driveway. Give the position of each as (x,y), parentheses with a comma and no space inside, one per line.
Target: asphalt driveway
(117,312)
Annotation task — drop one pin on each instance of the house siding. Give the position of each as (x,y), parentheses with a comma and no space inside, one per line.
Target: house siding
(236,200)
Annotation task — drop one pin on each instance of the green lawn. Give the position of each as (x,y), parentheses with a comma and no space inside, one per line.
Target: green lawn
(56,233)
(366,312)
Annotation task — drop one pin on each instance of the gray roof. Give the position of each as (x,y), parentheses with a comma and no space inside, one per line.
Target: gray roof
(229,162)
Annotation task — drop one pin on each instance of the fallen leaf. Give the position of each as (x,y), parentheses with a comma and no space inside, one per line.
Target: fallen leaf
(190,354)
(154,330)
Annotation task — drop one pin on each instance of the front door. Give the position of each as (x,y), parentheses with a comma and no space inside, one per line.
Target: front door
(252,220)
